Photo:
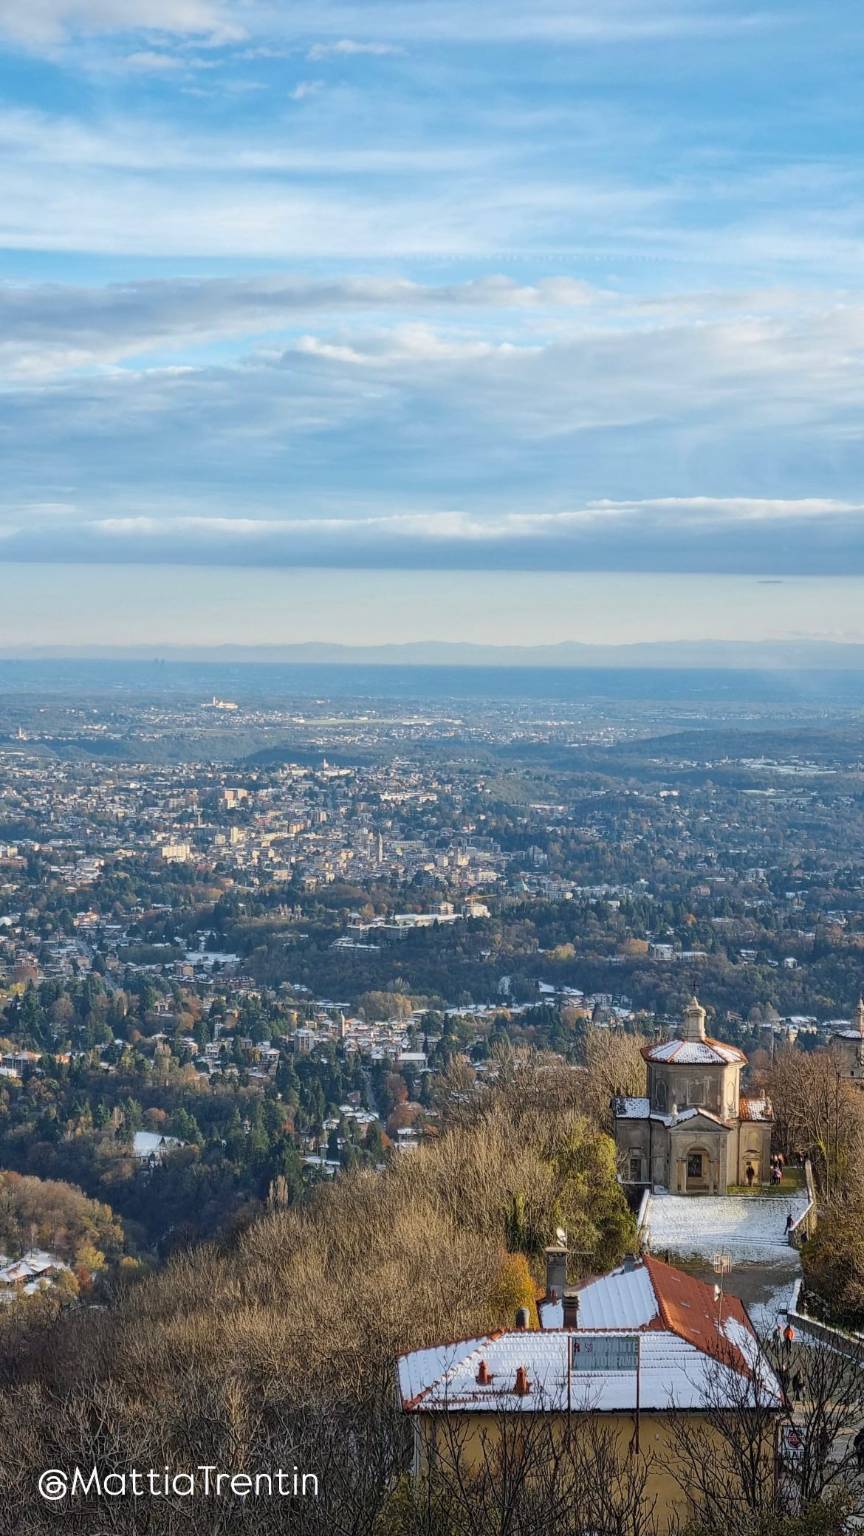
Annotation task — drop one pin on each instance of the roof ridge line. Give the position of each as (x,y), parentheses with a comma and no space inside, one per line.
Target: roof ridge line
(649,1261)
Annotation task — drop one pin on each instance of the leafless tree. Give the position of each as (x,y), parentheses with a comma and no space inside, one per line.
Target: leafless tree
(819,1114)
(523,1473)
(756,1452)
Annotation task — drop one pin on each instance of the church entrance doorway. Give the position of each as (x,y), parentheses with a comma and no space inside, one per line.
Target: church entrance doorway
(698,1167)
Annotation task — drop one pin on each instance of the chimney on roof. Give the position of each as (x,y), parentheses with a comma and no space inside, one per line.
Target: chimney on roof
(556,1271)
(859,1016)
(571,1309)
(484,1375)
(694,1020)
(522,1385)
(522,1319)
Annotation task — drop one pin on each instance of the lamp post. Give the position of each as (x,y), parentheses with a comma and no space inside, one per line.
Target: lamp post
(722,1265)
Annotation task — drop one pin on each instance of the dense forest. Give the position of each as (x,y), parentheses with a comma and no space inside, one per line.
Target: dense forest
(279,1348)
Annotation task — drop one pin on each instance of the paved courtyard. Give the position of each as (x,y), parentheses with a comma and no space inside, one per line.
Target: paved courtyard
(751,1229)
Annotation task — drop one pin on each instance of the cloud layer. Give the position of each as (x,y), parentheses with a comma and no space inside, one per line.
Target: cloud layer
(475,424)
(698,534)
(44,22)
(472,286)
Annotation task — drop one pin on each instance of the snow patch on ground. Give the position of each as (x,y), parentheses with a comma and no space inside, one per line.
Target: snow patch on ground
(750,1228)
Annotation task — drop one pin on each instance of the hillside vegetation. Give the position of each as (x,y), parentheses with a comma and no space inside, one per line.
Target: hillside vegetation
(280,1351)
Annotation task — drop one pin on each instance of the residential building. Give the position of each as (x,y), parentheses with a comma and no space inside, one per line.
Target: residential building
(643,1350)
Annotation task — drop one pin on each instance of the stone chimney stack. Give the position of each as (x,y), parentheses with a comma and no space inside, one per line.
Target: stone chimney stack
(694,1020)
(859,1016)
(556,1272)
(571,1309)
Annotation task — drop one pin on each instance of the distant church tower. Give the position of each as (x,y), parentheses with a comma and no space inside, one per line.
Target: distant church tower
(848,1047)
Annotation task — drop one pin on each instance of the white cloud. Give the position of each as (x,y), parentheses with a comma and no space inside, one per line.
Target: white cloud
(148,144)
(346,47)
(232,215)
(448,526)
(408,344)
(638,534)
(495,21)
(147,62)
(306,88)
(728,445)
(52,328)
(45,22)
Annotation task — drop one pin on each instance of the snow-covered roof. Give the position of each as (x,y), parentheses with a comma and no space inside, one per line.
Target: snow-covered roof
(632,1109)
(30,1266)
(640,1109)
(149,1143)
(422,1367)
(756,1108)
(41,1258)
(693,1112)
(672,1374)
(691,1351)
(694,1052)
(624,1299)
(850,1029)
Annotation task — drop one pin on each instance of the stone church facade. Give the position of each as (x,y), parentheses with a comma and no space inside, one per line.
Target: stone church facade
(848,1047)
(693,1132)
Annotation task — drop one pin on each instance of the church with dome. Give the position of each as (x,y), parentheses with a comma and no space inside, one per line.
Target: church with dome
(693,1132)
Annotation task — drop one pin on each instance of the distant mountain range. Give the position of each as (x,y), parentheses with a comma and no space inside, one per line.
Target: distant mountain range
(745,655)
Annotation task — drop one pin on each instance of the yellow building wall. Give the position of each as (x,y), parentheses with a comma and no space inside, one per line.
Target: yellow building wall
(657,1440)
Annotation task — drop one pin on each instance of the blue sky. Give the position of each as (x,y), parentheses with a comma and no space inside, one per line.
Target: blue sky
(427,286)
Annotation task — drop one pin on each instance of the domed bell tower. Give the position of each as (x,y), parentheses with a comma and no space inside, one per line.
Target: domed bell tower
(694,1020)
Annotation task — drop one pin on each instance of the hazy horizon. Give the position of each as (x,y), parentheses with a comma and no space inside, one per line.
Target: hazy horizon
(163,606)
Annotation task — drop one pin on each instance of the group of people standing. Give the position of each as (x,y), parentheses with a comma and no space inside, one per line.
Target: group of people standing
(778,1163)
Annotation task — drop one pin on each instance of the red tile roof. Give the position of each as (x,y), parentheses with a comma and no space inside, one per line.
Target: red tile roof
(688,1308)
